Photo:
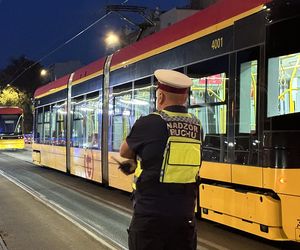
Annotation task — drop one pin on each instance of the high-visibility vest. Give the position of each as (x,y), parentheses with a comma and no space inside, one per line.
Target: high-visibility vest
(137,173)
(182,154)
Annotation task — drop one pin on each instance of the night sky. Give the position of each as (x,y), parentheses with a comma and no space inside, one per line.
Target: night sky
(34,28)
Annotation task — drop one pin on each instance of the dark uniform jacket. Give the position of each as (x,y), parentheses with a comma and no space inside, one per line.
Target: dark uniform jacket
(148,139)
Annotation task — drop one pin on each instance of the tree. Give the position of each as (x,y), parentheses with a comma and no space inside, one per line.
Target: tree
(18,81)
(22,73)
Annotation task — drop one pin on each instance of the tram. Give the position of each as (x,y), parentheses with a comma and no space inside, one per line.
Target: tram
(244,63)
(11,128)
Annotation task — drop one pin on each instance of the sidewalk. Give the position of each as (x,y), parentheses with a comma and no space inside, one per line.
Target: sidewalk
(25,223)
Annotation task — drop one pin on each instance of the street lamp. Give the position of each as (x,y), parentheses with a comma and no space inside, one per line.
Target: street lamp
(112,40)
(44,72)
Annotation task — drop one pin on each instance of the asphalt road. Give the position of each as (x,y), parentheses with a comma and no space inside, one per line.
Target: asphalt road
(46,209)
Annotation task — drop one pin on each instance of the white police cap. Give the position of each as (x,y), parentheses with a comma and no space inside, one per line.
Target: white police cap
(172,81)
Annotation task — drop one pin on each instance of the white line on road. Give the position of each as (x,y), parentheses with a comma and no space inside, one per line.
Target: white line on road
(2,244)
(211,244)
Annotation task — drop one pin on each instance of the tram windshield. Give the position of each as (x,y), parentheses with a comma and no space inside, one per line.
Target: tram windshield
(10,124)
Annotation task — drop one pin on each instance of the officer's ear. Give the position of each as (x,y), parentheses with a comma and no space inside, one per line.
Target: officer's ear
(161,97)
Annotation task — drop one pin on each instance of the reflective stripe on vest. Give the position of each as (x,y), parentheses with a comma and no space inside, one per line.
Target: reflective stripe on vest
(182,155)
(137,173)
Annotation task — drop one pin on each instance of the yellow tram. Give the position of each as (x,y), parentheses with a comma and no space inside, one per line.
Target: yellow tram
(245,68)
(11,128)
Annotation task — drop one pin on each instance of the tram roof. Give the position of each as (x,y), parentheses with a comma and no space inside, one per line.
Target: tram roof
(218,16)
(8,110)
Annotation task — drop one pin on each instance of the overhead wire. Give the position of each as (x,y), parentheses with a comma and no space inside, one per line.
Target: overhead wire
(63,44)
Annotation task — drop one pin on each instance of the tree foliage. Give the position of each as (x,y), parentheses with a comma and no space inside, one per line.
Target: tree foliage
(10,96)
(18,81)
(23,74)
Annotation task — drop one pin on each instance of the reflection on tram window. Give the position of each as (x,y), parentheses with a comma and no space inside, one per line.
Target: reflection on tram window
(46,131)
(77,128)
(61,124)
(39,125)
(209,89)
(58,124)
(92,108)
(208,102)
(213,118)
(284,85)
(129,104)
(248,83)
(86,112)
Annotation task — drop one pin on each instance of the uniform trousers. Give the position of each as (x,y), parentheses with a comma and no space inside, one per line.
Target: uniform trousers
(162,233)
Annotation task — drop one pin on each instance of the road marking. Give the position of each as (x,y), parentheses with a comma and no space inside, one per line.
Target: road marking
(2,244)
(115,207)
(88,228)
(211,244)
(108,204)
(3,160)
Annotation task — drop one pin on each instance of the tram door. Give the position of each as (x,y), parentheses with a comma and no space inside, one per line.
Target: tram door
(208,101)
(246,141)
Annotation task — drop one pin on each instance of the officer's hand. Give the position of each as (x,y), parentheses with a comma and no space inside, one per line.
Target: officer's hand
(127,167)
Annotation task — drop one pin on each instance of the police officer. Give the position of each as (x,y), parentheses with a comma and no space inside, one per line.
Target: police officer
(167,147)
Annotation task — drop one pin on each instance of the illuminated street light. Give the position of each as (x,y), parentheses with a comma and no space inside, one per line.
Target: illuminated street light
(112,40)
(44,72)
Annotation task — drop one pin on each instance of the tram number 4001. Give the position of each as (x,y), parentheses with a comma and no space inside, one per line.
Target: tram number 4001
(217,43)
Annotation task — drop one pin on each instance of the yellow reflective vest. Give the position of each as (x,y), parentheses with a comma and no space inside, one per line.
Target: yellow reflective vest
(182,154)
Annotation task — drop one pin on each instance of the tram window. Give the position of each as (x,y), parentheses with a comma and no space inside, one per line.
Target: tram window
(122,114)
(142,97)
(91,126)
(208,94)
(247,98)
(208,89)
(46,132)
(61,124)
(283,85)
(213,118)
(130,101)
(53,132)
(39,125)
(77,125)
(246,140)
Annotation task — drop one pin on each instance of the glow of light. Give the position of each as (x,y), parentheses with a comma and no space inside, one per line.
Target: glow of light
(282,180)
(126,113)
(112,39)
(43,72)
(135,102)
